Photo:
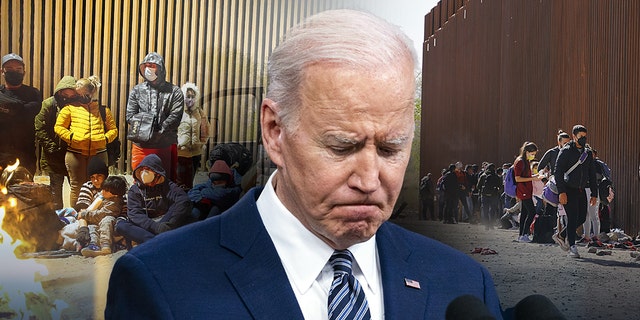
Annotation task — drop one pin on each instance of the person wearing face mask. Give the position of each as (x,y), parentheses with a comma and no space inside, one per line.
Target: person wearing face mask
(575,171)
(79,124)
(193,134)
(154,203)
(19,105)
(164,100)
(524,187)
(52,148)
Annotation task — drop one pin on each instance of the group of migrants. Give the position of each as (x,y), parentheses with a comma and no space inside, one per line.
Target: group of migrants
(70,135)
(564,197)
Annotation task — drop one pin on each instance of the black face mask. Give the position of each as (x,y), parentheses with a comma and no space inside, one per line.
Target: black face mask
(582,141)
(13,78)
(84,99)
(63,101)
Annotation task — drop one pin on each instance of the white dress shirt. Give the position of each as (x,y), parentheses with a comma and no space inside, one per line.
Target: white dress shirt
(306,259)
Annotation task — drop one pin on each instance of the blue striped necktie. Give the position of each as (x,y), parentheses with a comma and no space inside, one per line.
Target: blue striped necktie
(347,301)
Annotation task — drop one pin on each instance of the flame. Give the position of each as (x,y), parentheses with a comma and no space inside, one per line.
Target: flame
(21,292)
(14,166)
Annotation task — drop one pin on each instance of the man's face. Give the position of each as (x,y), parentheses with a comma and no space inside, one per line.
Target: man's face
(340,171)
(13,69)
(577,137)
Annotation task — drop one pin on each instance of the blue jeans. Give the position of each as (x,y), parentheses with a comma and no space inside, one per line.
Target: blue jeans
(133,232)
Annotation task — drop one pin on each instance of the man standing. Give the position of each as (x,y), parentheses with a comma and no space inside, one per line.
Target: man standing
(548,161)
(338,123)
(53,149)
(427,194)
(163,100)
(19,105)
(575,171)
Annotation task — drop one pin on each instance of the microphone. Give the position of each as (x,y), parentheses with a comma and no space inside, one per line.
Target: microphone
(537,307)
(467,307)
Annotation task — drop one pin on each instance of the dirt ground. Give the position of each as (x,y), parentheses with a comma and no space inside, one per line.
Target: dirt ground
(594,287)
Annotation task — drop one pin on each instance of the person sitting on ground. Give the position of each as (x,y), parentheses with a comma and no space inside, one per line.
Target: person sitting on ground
(98,172)
(75,234)
(215,196)
(101,216)
(154,203)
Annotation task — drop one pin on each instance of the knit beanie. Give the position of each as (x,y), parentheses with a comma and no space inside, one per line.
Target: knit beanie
(97,166)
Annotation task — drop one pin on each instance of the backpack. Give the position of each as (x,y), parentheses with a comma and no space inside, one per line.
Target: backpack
(510,183)
(550,192)
(114,148)
(602,170)
(543,228)
(491,185)
(604,188)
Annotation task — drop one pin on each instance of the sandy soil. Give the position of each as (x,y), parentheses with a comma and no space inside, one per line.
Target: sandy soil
(594,287)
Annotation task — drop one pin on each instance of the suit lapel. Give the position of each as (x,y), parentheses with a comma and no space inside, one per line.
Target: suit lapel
(258,277)
(401,301)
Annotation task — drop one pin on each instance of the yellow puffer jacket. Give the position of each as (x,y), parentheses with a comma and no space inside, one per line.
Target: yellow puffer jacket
(83,130)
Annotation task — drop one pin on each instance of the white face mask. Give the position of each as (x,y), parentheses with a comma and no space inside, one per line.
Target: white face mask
(150,74)
(147,176)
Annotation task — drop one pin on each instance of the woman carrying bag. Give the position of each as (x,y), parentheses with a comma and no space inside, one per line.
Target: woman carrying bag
(80,125)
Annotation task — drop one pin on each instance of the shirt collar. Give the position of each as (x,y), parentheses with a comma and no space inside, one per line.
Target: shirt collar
(302,253)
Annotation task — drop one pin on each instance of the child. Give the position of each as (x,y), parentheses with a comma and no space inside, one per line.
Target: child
(96,220)
(102,214)
(215,196)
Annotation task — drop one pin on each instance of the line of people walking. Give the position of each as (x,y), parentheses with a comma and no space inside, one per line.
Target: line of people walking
(564,197)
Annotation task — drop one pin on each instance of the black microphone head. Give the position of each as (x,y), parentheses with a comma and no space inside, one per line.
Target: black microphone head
(467,307)
(537,307)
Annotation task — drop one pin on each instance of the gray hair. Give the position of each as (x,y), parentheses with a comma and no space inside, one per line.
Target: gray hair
(355,39)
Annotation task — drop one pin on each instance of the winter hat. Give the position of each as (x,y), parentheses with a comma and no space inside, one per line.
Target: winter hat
(220,171)
(11,56)
(97,166)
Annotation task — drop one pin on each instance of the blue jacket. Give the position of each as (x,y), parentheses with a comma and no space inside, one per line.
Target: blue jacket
(145,203)
(227,267)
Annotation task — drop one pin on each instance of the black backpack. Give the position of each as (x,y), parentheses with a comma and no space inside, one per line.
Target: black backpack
(604,187)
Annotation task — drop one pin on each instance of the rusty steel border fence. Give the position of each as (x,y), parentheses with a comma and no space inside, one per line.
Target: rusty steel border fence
(497,73)
(221,46)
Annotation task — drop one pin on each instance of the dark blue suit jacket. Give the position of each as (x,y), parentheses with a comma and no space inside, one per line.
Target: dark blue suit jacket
(227,268)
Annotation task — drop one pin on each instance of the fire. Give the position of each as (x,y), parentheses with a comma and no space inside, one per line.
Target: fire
(14,166)
(21,294)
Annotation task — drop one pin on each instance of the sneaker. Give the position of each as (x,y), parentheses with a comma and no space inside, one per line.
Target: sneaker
(573,252)
(524,238)
(563,244)
(93,250)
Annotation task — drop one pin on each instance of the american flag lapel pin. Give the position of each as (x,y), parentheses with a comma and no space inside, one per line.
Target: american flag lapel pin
(411,283)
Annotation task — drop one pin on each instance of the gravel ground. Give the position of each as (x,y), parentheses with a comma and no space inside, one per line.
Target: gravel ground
(592,287)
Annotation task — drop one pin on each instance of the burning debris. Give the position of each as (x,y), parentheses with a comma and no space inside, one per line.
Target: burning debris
(27,223)
(21,294)
(29,214)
